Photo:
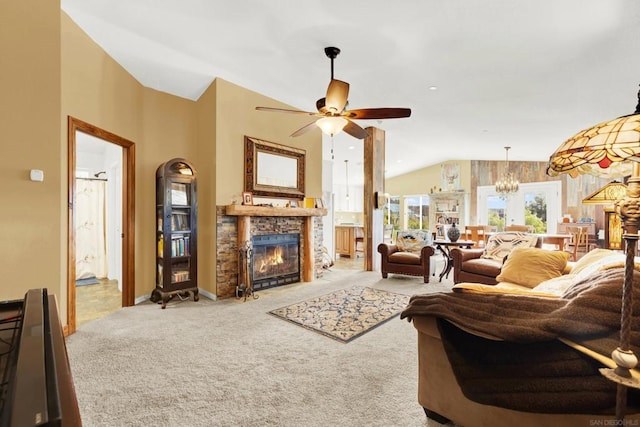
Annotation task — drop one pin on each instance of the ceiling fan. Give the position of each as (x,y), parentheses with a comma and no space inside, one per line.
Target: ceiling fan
(332,112)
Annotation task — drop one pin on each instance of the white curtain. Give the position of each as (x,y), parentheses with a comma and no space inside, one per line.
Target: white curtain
(91,259)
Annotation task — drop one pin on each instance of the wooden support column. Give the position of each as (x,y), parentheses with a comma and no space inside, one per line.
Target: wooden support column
(244,229)
(309,260)
(374,146)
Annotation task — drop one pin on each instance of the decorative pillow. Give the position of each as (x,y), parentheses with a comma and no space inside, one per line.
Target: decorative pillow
(609,261)
(531,266)
(555,286)
(413,240)
(501,244)
(589,258)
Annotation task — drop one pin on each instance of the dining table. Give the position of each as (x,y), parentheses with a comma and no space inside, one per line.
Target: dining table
(558,240)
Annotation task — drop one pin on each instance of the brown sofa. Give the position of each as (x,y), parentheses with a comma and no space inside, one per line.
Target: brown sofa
(490,358)
(401,262)
(469,266)
(442,398)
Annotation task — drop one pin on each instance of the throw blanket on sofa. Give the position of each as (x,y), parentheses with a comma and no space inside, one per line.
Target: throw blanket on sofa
(525,367)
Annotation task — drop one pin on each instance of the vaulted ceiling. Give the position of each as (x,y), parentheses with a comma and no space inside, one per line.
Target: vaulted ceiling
(478,75)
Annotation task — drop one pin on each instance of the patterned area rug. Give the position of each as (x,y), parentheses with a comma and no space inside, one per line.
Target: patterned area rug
(345,314)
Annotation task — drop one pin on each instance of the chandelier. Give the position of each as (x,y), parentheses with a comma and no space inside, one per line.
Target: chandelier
(507,184)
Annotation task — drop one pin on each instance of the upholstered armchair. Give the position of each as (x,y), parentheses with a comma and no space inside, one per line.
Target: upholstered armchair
(410,255)
(483,265)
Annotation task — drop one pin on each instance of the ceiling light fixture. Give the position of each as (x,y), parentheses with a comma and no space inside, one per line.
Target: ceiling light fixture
(332,125)
(507,184)
(608,149)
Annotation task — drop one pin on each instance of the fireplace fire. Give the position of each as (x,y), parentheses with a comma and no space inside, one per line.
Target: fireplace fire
(275,260)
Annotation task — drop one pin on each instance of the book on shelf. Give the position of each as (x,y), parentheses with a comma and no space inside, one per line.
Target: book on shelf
(180,221)
(180,246)
(180,276)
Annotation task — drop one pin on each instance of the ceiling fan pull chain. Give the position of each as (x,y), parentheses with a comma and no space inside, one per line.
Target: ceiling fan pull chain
(332,157)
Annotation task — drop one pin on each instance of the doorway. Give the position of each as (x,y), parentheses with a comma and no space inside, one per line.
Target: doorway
(101,208)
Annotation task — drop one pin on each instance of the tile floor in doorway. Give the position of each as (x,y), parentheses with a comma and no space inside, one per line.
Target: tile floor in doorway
(96,301)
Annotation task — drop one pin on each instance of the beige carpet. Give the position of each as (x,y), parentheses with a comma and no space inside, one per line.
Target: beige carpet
(345,314)
(230,363)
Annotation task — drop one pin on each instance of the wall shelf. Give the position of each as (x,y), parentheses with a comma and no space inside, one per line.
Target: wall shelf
(247,210)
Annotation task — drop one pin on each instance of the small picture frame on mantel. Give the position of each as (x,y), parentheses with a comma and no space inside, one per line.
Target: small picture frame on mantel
(247,198)
(293,204)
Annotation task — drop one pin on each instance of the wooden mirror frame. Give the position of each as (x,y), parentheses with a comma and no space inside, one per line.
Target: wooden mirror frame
(252,146)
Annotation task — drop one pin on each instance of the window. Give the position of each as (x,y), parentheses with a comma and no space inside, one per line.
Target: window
(417,212)
(537,204)
(392,212)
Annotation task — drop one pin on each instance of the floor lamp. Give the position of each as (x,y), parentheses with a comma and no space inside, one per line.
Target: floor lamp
(612,149)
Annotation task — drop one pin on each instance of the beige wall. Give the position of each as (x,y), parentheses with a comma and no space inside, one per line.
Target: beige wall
(31,213)
(57,71)
(99,91)
(237,117)
(422,180)
(205,160)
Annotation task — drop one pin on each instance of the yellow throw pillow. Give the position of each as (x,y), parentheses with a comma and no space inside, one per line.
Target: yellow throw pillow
(531,266)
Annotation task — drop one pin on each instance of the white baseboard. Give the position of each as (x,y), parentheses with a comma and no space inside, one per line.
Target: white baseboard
(141,299)
(208,294)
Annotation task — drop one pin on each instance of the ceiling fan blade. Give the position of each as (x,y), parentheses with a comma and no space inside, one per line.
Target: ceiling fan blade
(337,94)
(284,110)
(304,129)
(355,130)
(377,113)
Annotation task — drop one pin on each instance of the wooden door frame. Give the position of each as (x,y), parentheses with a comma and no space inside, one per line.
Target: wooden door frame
(128,214)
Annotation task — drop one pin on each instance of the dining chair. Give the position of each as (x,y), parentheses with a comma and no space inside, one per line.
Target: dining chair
(476,233)
(579,239)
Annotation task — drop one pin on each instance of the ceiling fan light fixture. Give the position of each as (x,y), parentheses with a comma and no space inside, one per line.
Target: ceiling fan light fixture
(332,125)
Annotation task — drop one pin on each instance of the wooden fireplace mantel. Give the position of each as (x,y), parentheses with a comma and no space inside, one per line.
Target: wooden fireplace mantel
(245,212)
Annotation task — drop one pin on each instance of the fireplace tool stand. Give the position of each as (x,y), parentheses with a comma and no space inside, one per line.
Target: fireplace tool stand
(244,287)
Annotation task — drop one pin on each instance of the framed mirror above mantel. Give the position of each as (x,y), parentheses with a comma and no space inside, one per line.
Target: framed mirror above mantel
(273,170)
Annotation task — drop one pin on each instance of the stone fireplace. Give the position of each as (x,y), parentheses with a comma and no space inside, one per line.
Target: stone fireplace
(275,260)
(237,224)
